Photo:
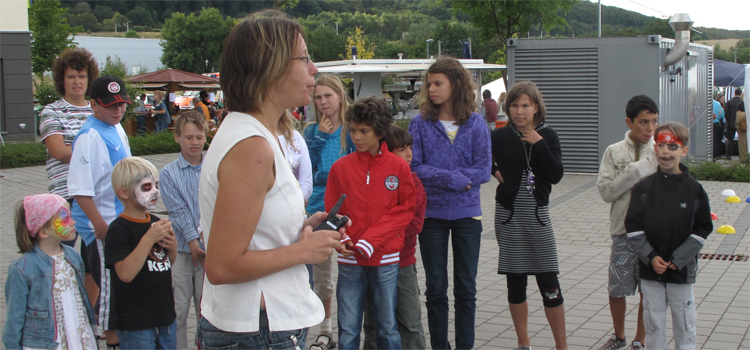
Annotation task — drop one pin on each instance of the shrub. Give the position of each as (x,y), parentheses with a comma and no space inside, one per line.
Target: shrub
(132,34)
(153,143)
(23,154)
(731,171)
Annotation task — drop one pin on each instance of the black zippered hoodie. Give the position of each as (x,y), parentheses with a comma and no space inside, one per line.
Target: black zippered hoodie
(669,216)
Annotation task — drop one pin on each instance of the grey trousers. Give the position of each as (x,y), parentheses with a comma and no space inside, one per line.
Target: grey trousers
(408,313)
(680,299)
(188,284)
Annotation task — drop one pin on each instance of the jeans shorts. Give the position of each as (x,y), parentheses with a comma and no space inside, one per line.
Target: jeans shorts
(623,268)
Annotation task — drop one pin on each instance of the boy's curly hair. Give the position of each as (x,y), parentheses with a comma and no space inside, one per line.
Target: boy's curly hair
(373,112)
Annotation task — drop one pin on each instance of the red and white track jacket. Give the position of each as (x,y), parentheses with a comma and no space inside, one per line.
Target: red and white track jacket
(380,202)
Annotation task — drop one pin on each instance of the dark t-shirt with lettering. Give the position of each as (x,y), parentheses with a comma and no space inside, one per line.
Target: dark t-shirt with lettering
(147,301)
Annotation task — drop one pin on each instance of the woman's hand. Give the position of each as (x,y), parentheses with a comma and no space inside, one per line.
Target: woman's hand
(499,176)
(319,244)
(325,125)
(531,137)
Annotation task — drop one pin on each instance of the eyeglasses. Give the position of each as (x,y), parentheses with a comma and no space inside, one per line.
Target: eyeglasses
(670,146)
(306,58)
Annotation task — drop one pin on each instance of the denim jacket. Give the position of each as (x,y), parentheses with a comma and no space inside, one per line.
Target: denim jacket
(28,298)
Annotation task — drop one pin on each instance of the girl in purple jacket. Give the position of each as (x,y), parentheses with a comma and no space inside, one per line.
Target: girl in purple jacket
(452,157)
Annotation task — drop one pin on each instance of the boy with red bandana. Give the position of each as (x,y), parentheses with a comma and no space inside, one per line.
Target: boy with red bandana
(668,221)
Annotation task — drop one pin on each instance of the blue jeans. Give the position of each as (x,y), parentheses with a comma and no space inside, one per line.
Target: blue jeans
(211,337)
(152,338)
(162,122)
(465,235)
(141,119)
(354,282)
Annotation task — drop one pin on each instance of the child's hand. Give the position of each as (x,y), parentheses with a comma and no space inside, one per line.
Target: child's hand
(319,244)
(315,219)
(660,266)
(325,125)
(169,242)
(347,249)
(498,176)
(159,230)
(197,254)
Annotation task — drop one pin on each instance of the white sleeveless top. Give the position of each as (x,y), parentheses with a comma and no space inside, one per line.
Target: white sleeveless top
(290,303)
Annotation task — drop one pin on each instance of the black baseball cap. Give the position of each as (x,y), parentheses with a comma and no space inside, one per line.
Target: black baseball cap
(108,90)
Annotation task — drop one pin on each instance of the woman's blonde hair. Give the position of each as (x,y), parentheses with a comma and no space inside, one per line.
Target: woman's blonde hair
(129,171)
(158,95)
(526,88)
(463,98)
(334,83)
(286,127)
(257,54)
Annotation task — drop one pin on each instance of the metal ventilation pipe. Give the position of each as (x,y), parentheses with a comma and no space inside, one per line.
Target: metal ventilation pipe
(681,23)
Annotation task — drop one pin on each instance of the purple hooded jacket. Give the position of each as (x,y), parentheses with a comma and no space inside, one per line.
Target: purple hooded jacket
(446,168)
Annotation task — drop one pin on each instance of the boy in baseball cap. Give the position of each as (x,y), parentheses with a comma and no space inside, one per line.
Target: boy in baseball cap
(100,144)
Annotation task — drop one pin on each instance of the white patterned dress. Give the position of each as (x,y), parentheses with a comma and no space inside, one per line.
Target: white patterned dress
(73,328)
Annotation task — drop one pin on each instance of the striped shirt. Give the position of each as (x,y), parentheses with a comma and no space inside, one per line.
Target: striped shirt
(178,184)
(61,118)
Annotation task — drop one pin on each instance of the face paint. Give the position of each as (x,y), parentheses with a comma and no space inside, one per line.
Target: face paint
(62,224)
(147,193)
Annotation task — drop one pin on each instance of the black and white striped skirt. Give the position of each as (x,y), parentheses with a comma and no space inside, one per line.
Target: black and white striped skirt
(526,240)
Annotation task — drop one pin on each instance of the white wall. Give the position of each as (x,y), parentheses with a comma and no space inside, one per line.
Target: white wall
(14,16)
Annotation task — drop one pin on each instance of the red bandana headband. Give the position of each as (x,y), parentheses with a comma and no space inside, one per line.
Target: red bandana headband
(668,137)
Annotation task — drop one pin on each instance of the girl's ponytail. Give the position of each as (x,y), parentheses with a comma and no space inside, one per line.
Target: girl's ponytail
(23,236)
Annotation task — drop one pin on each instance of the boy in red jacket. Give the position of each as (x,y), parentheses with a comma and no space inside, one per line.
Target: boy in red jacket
(408,308)
(380,202)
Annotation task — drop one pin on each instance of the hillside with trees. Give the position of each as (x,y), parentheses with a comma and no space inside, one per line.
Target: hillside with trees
(384,27)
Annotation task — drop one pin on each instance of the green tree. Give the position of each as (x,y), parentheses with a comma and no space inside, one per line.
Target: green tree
(50,30)
(194,43)
(103,12)
(80,8)
(503,19)
(87,21)
(365,49)
(132,34)
(324,45)
(140,16)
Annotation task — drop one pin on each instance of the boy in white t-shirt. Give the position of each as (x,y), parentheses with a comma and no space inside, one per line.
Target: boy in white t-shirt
(100,144)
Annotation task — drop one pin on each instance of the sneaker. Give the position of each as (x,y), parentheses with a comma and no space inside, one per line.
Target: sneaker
(636,345)
(614,344)
(523,347)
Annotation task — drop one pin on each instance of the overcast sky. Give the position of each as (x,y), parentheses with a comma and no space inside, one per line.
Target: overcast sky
(717,14)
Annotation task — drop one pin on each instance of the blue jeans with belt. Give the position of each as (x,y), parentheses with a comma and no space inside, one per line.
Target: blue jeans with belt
(465,237)
(211,337)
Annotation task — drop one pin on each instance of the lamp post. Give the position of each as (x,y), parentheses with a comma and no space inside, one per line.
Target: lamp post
(428,47)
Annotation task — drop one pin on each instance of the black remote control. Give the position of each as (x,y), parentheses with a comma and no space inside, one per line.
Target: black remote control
(333,222)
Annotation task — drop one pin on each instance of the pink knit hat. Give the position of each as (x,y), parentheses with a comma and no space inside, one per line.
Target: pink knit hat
(39,209)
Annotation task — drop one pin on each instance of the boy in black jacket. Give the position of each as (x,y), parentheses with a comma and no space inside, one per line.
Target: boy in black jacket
(668,221)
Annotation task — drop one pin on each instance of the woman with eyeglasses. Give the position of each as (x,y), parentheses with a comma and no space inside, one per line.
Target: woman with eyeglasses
(527,161)
(256,293)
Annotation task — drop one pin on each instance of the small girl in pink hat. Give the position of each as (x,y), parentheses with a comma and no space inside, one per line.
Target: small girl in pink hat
(47,306)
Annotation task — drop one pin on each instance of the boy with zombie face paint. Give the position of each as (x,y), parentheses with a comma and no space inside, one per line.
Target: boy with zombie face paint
(140,249)
(667,222)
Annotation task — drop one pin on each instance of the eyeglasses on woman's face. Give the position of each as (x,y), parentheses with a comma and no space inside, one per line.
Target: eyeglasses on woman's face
(306,58)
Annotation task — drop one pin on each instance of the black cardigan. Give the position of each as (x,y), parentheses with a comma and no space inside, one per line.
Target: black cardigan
(508,157)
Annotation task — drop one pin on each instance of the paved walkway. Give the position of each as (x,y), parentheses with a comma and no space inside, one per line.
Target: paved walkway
(580,219)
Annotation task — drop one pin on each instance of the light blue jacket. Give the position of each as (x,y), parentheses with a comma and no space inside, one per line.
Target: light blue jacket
(718,112)
(28,297)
